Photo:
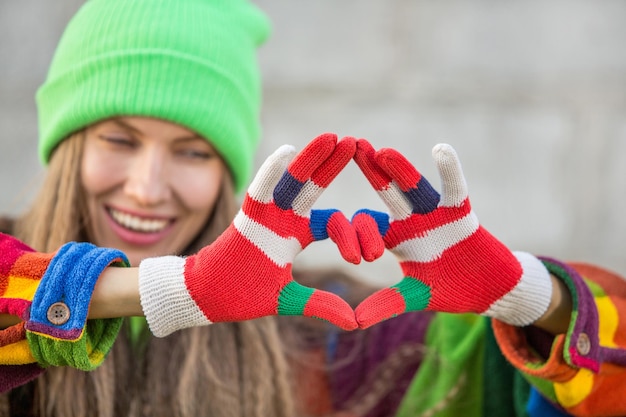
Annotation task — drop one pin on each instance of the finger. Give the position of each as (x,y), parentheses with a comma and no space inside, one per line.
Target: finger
(331,308)
(332,223)
(382,305)
(302,168)
(393,197)
(335,163)
(410,294)
(416,188)
(297,300)
(364,158)
(324,175)
(370,227)
(341,232)
(454,187)
(263,185)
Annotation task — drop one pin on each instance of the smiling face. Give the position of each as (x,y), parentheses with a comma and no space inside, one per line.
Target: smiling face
(151,185)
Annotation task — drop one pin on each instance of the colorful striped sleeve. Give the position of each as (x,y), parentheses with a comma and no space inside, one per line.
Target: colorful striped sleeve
(589,361)
(21,271)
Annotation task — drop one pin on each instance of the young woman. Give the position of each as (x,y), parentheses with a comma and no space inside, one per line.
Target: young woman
(149,119)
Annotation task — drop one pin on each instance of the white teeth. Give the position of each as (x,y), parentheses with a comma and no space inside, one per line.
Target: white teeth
(136,223)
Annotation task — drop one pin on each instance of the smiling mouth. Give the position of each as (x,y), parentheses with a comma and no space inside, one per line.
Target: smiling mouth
(137,224)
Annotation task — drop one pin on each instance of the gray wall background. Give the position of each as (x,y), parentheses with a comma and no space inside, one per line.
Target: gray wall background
(532,94)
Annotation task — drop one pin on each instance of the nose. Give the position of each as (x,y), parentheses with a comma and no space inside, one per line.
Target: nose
(147,180)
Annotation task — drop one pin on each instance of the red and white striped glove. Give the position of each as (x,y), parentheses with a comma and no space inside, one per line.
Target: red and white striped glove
(450,262)
(247,272)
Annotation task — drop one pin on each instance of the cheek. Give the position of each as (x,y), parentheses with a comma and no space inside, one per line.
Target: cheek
(198,189)
(99,171)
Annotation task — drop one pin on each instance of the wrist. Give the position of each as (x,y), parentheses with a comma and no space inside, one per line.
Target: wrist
(557,317)
(165,298)
(529,299)
(116,294)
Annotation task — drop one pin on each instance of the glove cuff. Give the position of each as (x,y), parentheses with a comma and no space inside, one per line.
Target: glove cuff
(57,328)
(165,299)
(61,303)
(529,299)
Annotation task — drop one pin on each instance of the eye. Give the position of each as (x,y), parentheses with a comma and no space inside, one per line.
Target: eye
(193,153)
(118,141)
(194,149)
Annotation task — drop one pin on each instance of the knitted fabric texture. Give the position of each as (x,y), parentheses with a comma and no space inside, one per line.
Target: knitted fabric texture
(191,62)
(450,262)
(246,272)
(31,283)
(70,279)
(582,368)
(21,270)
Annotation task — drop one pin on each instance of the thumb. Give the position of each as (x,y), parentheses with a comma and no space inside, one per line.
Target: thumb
(296,299)
(332,223)
(370,227)
(382,305)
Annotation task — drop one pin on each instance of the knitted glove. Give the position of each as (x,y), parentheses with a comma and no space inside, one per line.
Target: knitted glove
(246,273)
(51,293)
(450,262)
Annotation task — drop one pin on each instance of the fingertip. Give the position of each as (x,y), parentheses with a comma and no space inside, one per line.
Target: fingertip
(348,145)
(368,232)
(327,140)
(349,139)
(387,156)
(364,154)
(341,231)
(396,164)
(443,152)
(362,143)
(281,157)
(364,324)
(350,250)
(286,148)
(269,174)
(330,307)
(373,254)
(312,156)
(331,136)
(349,327)
(454,187)
(364,318)
(380,306)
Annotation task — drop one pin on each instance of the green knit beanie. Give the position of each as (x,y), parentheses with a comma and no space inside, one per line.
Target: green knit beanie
(191,62)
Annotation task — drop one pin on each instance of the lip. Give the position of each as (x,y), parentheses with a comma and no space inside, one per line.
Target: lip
(137,238)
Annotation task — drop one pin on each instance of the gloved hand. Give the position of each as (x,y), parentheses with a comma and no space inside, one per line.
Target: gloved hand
(246,273)
(449,261)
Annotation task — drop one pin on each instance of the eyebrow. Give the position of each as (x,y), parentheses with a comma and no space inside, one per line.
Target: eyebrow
(130,127)
(125,125)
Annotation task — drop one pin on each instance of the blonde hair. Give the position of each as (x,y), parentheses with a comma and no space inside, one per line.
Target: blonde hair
(226,369)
